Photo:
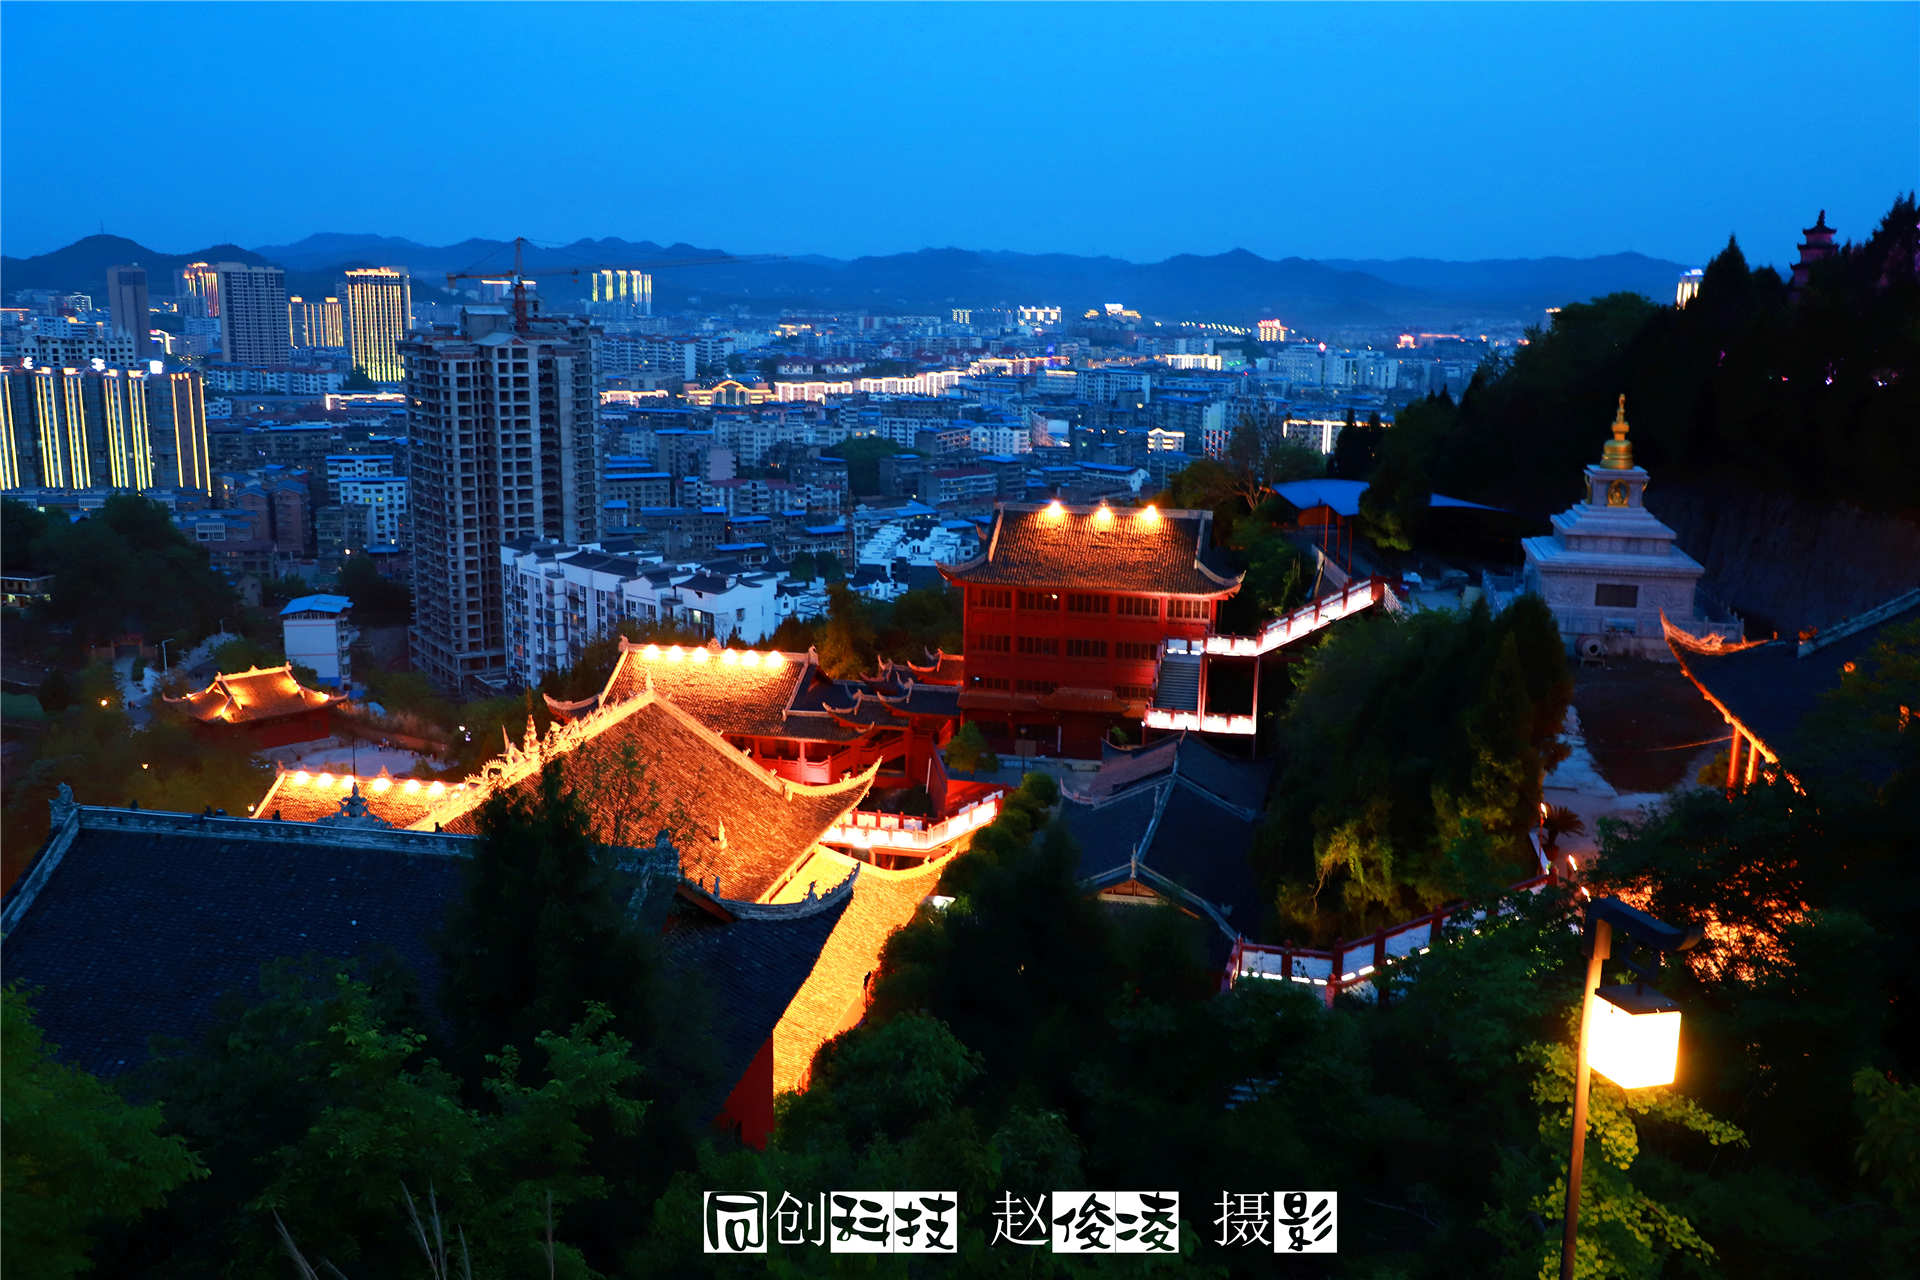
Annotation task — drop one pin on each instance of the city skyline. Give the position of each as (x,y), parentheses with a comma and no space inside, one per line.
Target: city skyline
(1587,130)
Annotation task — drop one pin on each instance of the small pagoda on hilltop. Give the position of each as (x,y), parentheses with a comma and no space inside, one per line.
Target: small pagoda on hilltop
(1817,247)
(1610,569)
(265,707)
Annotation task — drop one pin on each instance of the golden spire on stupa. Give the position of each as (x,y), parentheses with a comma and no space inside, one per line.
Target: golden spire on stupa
(1618,454)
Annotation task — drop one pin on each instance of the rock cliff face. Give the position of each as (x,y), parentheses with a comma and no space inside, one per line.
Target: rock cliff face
(1786,563)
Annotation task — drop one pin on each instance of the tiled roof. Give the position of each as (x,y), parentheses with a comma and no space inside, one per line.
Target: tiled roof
(253,695)
(727,697)
(305,796)
(645,763)
(1097,548)
(149,919)
(1772,686)
(834,995)
(753,966)
(1187,812)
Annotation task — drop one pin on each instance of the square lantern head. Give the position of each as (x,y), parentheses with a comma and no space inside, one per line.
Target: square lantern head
(1634,1039)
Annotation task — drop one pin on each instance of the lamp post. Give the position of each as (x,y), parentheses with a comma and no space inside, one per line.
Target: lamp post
(1633,1032)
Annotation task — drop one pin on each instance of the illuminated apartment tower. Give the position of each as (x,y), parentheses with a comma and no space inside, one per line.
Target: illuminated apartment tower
(316,324)
(503,433)
(620,292)
(199,291)
(378,303)
(1272,331)
(177,410)
(80,428)
(1689,287)
(253,314)
(127,304)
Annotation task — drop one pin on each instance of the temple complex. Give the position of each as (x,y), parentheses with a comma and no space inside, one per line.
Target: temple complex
(1067,612)
(641,761)
(267,707)
(1610,569)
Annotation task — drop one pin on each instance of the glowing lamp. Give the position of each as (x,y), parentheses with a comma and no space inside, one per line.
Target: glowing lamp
(325,779)
(1151,515)
(652,651)
(380,785)
(675,653)
(302,777)
(773,661)
(1055,510)
(730,658)
(750,659)
(437,789)
(1104,516)
(700,654)
(413,787)
(1635,1037)
(347,781)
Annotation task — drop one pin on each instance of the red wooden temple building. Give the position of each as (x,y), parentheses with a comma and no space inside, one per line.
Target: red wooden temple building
(1067,612)
(266,707)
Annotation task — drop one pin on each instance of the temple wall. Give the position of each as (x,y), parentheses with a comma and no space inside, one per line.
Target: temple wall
(1786,562)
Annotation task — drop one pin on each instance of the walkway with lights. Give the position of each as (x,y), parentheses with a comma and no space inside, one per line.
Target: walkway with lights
(1180,687)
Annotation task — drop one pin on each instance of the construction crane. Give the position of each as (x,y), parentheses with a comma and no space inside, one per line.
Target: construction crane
(518,279)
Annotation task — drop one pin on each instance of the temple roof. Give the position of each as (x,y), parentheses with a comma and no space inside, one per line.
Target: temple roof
(140,922)
(753,965)
(253,695)
(722,689)
(1770,687)
(1098,548)
(1179,812)
(147,919)
(648,763)
(771,695)
(834,994)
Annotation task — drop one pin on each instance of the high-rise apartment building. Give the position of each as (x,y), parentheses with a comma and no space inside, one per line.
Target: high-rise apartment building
(81,429)
(379,310)
(177,409)
(199,290)
(127,304)
(621,292)
(503,431)
(316,323)
(253,314)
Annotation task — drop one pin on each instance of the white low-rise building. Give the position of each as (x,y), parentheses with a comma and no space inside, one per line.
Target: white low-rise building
(559,599)
(317,633)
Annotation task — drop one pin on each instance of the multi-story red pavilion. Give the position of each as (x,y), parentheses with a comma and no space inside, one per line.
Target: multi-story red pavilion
(1067,611)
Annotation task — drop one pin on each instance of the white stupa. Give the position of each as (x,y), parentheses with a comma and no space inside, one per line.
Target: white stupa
(1610,568)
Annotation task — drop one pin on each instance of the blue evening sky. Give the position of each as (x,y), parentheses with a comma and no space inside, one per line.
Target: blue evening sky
(1370,130)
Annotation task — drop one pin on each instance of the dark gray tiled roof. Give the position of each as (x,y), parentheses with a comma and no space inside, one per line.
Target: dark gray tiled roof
(139,933)
(752,967)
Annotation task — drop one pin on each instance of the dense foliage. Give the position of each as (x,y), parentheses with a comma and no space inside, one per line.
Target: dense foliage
(1412,755)
(1745,386)
(122,570)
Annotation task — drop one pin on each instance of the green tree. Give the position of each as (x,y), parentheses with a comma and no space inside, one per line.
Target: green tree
(378,601)
(968,751)
(77,1156)
(847,644)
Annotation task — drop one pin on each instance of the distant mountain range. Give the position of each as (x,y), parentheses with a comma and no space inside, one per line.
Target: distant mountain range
(1235,286)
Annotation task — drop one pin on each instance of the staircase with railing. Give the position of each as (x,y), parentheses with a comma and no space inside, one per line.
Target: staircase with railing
(1176,702)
